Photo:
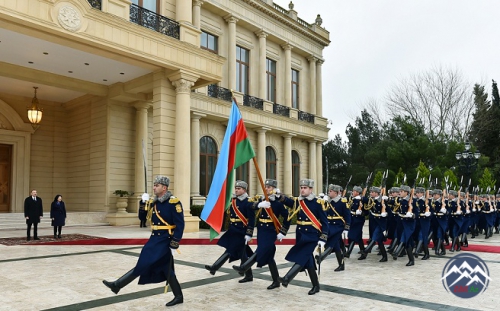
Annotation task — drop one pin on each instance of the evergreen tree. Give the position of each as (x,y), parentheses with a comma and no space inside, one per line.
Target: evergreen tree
(423,173)
(399,178)
(486,181)
(452,180)
(494,94)
(377,180)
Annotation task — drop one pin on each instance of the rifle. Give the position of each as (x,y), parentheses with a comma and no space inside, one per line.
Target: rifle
(367,184)
(346,185)
(384,182)
(412,192)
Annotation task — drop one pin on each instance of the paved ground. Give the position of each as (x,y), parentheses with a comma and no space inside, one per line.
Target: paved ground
(48,277)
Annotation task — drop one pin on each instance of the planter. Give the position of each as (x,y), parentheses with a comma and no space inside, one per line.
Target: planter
(121,204)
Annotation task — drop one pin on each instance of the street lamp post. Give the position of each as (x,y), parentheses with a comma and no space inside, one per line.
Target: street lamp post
(467,160)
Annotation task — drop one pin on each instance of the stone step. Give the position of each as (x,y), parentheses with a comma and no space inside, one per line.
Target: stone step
(12,221)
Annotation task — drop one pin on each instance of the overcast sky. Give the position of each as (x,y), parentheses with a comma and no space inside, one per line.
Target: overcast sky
(374,43)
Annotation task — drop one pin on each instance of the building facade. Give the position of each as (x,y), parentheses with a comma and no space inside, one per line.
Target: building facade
(128,85)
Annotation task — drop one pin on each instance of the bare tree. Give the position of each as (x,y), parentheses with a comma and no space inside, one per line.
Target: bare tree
(376,110)
(440,99)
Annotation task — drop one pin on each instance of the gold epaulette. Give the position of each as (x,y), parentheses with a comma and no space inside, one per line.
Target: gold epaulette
(255,198)
(344,200)
(173,200)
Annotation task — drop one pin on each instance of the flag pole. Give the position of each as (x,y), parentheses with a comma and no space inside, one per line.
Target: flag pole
(269,210)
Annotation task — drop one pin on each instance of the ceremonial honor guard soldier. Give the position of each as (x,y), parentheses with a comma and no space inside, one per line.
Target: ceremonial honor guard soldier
(424,218)
(156,262)
(312,231)
(464,229)
(456,218)
(142,214)
(376,206)
(487,213)
(339,219)
(236,238)
(408,219)
(269,230)
(355,234)
(392,207)
(497,220)
(441,213)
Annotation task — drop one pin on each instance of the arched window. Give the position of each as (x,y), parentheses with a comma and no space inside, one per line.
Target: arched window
(295,173)
(208,161)
(270,163)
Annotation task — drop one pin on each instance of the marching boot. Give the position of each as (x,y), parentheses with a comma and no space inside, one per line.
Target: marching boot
(496,229)
(361,247)
(491,232)
(248,277)
(398,251)
(391,247)
(294,270)
(121,282)
(247,264)
(443,250)
(466,242)
(367,250)
(426,252)
(349,249)
(384,253)
(457,243)
(411,261)
(340,260)
(218,263)
(438,246)
(176,289)
(452,248)
(274,275)
(418,249)
(314,280)
(343,248)
(323,256)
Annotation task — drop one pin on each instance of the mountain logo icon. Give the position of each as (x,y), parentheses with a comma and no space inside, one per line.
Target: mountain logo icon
(465,276)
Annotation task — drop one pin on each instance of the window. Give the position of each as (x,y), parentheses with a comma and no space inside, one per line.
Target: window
(152,5)
(271,80)
(209,42)
(295,173)
(295,89)
(208,161)
(242,174)
(242,65)
(270,163)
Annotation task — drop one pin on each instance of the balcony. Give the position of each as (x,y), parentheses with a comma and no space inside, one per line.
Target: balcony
(153,21)
(281,110)
(304,116)
(254,102)
(219,92)
(96,4)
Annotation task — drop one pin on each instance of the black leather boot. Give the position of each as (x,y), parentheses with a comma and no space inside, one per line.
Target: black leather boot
(361,245)
(411,261)
(349,249)
(457,244)
(247,264)
(438,246)
(340,260)
(391,247)
(397,251)
(274,275)
(452,248)
(218,263)
(383,252)
(314,280)
(367,250)
(418,249)
(176,289)
(121,282)
(248,277)
(294,270)
(465,241)
(324,254)
(426,252)
(443,250)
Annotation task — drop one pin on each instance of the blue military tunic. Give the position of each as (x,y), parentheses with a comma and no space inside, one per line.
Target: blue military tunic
(456,219)
(408,222)
(424,221)
(155,259)
(357,221)
(234,238)
(266,232)
(339,219)
(306,235)
(466,216)
(441,218)
(379,222)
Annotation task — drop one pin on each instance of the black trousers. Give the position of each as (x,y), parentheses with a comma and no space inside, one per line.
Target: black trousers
(35,227)
(57,229)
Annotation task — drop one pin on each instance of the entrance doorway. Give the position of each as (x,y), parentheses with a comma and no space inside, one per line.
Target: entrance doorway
(5,177)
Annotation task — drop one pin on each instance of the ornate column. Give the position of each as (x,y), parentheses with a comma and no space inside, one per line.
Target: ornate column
(262,64)
(319,88)
(319,166)
(287,164)
(141,139)
(231,54)
(261,151)
(312,163)
(195,158)
(197,13)
(288,74)
(312,84)
(184,11)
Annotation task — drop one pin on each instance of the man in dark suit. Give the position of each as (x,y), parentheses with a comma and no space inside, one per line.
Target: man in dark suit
(33,212)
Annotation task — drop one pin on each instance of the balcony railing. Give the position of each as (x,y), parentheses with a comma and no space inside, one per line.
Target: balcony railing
(219,92)
(252,101)
(280,9)
(153,21)
(281,110)
(303,22)
(96,4)
(304,116)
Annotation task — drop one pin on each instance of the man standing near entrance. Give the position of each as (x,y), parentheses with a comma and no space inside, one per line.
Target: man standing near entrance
(33,212)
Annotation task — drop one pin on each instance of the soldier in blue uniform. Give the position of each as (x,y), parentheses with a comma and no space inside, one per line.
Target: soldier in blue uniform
(441,213)
(487,213)
(407,215)
(156,262)
(312,231)
(266,233)
(457,219)
(424,218)
(355,234)
(339,219)
(497,220)
(236,238)
(392,206)
(376,206)
(142,214)
(464,229)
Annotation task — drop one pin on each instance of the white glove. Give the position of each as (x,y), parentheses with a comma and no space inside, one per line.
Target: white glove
(474,209)
(278,192)
(384,197)
(443,210)
(427,214)
(384,214)
(145,197)
(467,211)
(345,232)
(321,244)
(459,213)
(280,237)
(264,204)
(357,197)
(247,239)
(409,215)
(173,251)
(358,212)
(477,202)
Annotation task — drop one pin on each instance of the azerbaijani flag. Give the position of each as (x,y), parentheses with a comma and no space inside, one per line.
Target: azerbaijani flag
(236,150)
